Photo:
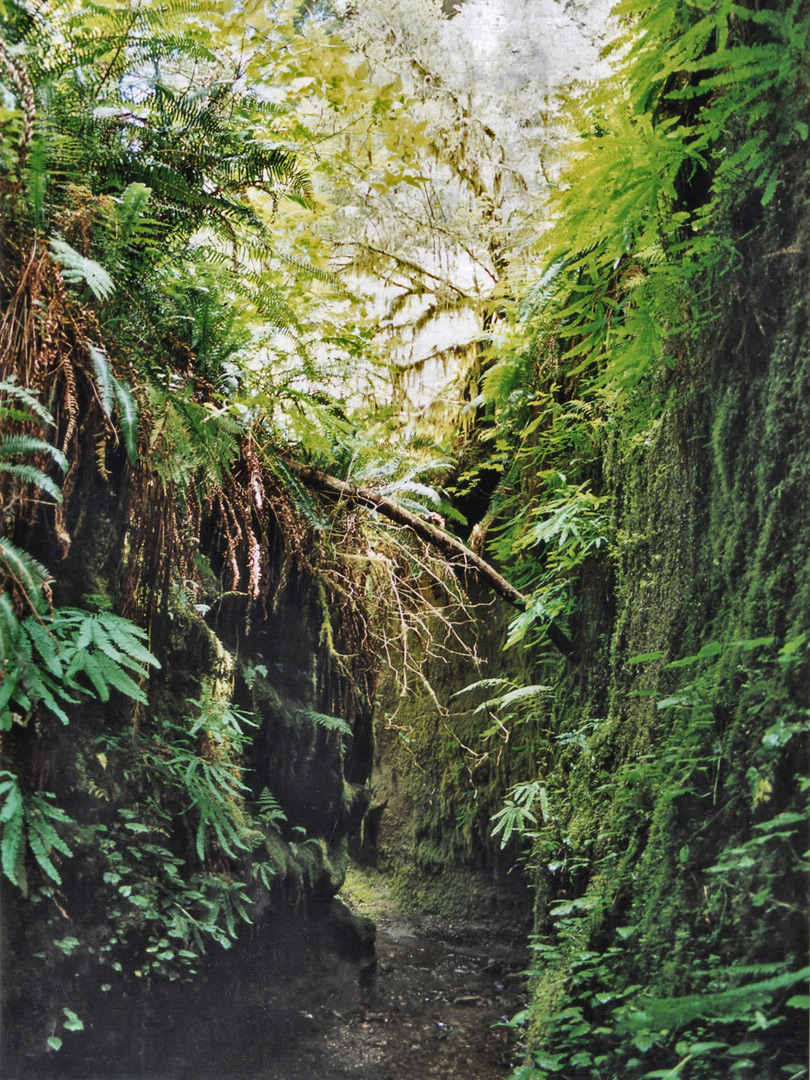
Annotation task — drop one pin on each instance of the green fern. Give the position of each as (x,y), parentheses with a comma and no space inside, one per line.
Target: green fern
(738,1002)
(29,574)
(45,657)
(34,410)
(28,822)
(329,723)
(77,268)
(16,444)
(13,445)
(112,392)
(270,810)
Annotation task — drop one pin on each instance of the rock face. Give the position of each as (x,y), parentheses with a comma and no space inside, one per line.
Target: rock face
(108,943)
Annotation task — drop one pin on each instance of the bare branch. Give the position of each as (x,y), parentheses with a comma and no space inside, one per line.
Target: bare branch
(444,542)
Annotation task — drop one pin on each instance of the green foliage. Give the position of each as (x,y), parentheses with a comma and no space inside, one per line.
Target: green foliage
(562,528)
(28,822)
(76,268)
(200,758)
(160,917)
(640,972)
(113,392)
(56,660)
(20,406)
(517,815)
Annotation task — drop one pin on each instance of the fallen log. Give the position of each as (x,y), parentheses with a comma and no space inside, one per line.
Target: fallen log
(447,544)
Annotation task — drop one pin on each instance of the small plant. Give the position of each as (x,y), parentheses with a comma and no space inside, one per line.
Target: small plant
(28,822)
(517,815)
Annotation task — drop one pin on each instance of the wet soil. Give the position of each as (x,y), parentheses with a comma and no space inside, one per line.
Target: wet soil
(430,1011)
(310,999)
(433,1001)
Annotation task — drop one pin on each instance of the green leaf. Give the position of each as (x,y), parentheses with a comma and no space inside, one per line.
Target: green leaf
(67,945)
(76,268)
(29,474)
(72,1023)
(26,570)
(105,379)
(793,646)
(14,445)
(27,397)
(42,856)
(128,418)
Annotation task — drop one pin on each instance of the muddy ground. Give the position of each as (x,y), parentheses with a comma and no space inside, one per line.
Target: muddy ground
(431,1009)
(308,994)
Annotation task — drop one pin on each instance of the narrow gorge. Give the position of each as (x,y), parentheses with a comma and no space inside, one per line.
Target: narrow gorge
(404,575)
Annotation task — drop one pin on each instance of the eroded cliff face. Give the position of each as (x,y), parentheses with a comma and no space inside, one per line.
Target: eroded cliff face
(159,883)
(670,883)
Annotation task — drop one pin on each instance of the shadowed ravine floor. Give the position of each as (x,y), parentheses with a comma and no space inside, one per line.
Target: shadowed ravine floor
(302,996)
(428,1011)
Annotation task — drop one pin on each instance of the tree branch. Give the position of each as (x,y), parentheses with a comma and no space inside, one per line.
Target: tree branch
(446,543)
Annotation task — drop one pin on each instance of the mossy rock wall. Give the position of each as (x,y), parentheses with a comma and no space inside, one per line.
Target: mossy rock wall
(437,781)
(670,868)
(109,932)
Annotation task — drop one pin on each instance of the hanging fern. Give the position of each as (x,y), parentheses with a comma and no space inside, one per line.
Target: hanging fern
(73,654)
(28,822)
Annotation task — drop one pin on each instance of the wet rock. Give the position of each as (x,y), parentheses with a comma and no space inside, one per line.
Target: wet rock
(468,999)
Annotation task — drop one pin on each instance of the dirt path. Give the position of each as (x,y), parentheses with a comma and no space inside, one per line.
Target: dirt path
(429,1012)
(305,999)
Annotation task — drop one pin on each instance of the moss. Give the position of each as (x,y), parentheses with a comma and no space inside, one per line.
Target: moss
(665,816)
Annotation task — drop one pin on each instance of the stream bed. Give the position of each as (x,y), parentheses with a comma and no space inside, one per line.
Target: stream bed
(430,1009)
(306,996)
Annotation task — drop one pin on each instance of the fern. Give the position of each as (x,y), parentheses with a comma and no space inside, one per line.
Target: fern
(270,810)
(34,409)
(112,392)
(13,445)
(26,571)
(329,723)
(16,444)
(76,268)
(28,474)
(738,1002)
(44,658)
(215,795)
(29,821)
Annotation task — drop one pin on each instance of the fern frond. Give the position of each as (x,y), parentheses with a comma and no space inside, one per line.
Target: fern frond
(29,474)
(104,377)
(128,418)
(76,268)
(11,842)
(12,445)
(26,571)
(128,637)
(10,629)
(270,809)
(330,723)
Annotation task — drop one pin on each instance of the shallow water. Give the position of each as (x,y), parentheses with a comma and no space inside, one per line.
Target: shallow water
(427,1011)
